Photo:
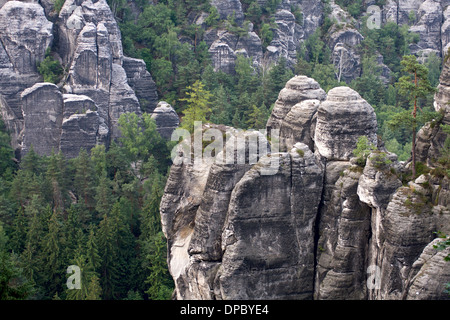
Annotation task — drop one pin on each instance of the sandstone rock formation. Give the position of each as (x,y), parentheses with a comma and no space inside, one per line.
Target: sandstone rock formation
(321,227)
(42,109)
(166,119)
(336,136)
(99,83)
(294,111)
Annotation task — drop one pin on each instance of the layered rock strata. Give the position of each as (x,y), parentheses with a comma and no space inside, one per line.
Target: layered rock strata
(98,85)
(322,226)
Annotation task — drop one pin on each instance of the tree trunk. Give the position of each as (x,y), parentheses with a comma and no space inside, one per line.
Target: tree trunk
(413,151)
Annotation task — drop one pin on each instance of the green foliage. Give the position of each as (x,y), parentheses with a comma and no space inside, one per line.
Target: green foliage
(141,142)
(6,152)
(199,106)
(414,85)
(58,5)
(355,8)
(266,34)
(443,244)
(380,160)
(363,149)
(91,211)
(50,68)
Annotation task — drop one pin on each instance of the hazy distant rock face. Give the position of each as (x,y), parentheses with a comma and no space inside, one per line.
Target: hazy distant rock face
(346,56)
(341,119)
(225,245)
(228,8)
(43,113)
(428,26)
(224,47)
(286,39)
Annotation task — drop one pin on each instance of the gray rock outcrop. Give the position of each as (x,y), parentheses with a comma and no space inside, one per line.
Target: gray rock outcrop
(323,226)
(218,234)
(98,85)
(141,81)
(79,131)
(286,38)
(43,114)
(166,119)
(336,136)
(24,40)
(294,111)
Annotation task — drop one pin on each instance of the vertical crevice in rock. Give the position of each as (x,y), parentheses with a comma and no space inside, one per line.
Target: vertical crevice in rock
(317,228)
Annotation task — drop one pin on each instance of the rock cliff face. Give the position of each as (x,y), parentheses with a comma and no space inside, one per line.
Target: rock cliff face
(322,226)
(99,82)
(429,19)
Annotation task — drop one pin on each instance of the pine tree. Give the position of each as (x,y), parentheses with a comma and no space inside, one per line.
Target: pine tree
(32,260)
(258,117)
(19,231)
(84,179)
(198,106)
(414,85)
(52,251)
(90,283)
(159,278)
(57,180)
(104,198)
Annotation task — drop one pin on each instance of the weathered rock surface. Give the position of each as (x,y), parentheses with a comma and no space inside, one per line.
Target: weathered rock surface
(336,136)
(166,119)
(99,79)
(224,47)
(428,26)
(26,34)
(43,114)
(345,55)
(218,234)
(229,8)
(431,272)
(430,138)
(24,38)
(286,38)
(79,131)
(294,110)
(321,227)
(344,233)
(77,104)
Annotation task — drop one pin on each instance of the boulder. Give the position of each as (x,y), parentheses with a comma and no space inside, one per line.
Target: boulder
(294,110)
(166,119)
(341,119)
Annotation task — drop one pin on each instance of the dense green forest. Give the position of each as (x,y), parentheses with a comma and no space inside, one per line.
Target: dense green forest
(100,211)
(177,57)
